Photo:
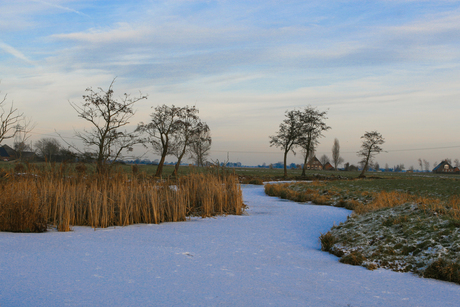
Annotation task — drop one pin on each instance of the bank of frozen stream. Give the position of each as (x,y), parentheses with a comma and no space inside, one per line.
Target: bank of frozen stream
(270,257)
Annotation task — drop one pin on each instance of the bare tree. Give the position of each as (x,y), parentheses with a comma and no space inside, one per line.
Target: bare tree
(22,135)
(107,116)
(457,163)
(336,158)
(48,148)
(420,163)
(427,165)
(9,119)
(189,129)
(163,125)
(324,159)
(308,154)
(200,146)
(312,126)
(288,135)
(370,148)
(399,167)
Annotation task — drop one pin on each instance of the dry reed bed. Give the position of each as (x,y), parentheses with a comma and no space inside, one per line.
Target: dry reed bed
(34,202)
(364,202)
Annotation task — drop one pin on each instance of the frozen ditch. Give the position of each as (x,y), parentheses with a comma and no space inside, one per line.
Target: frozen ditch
(271,257)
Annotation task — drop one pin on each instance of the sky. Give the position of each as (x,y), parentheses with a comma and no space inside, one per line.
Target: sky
(389,66)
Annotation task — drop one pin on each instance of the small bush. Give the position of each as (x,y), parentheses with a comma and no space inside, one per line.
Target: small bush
(327,241)
(19,168)
(80,168)
(371,266)
(135,169)
(443,270)
(353,258)
(256,181)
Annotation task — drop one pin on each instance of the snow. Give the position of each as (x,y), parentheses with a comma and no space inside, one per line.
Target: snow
(269,257)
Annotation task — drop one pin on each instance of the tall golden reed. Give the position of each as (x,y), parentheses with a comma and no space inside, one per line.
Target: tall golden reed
(33,202)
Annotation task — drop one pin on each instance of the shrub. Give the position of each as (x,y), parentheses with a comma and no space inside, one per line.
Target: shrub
(353,258)
(443,270)
(327,241)
(257,181)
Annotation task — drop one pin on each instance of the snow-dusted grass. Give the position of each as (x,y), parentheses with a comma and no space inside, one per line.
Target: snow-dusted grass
(404,227)
(403,238)
(270,257)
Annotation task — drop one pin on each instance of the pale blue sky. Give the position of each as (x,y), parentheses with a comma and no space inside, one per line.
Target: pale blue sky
(391,66)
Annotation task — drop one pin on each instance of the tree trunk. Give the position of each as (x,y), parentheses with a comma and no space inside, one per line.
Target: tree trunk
(305,163)
(365,165)
(162,161)
(179,159)
(285,161)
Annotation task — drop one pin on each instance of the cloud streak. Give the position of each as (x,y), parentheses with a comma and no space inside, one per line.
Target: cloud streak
(61,7)
(14,52)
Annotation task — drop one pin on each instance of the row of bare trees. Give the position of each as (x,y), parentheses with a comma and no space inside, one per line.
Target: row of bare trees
(300,129)
(171,130)
(303,129)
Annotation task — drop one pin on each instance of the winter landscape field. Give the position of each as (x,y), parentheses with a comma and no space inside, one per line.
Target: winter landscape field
(269,256)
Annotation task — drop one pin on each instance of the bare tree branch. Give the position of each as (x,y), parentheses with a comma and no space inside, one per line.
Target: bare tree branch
(107,115)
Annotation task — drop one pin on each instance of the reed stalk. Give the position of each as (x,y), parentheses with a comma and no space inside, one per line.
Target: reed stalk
(57,198)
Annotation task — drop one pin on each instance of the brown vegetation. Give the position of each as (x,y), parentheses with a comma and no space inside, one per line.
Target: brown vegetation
(35,200)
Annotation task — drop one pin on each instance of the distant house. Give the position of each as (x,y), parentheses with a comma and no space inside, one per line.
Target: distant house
(8,154)
(328,167)
(11,152)
(444,167)
(4,156)
(314,163)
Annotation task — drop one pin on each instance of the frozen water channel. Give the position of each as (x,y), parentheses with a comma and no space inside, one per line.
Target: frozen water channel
(270,257)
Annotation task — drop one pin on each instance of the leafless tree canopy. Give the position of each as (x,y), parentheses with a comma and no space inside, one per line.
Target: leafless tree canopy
(336,158)
(300,128)
(312,127)
(107,116)
(200,146)
(456,163)
(9,119)
(426,164)
(164,123)
(47,148)
(288,135)
(370,148)
(324,159)
(190,130)
(22,135)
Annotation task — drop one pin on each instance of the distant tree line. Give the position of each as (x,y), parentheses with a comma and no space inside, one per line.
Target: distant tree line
(171,130)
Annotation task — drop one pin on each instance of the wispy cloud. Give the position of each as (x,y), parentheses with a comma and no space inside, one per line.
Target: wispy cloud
(14,52)
(61,7)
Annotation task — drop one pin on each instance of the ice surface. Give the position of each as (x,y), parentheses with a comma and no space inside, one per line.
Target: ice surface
(270,257)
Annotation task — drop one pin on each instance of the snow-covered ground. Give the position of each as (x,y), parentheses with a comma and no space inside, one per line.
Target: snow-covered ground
(270,257)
